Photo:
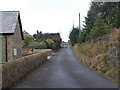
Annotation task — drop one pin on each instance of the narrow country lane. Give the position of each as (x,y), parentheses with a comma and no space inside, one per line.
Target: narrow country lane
(63,70)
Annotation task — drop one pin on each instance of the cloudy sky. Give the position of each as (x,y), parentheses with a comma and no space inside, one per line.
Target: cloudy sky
(48,16)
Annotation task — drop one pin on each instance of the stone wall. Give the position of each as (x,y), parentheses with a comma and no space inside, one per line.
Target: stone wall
(27,51)
(113,48)
(112,44)
(13,71)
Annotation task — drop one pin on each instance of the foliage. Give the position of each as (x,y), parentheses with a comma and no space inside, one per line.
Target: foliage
(74,34)
(100,18)
(27,40)
(91,17)
(81,37)
(109,13)
(99,28)
(50,44)
(118,17)
(39,36)
(43,41)
(95,57)
(37,45)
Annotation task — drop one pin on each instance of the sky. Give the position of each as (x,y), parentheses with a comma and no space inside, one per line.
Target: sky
(48,16)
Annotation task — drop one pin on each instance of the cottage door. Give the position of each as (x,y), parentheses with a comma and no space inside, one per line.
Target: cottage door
(0,50)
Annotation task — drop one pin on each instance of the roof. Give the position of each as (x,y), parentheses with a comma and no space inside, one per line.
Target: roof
(9,21)
(26,33)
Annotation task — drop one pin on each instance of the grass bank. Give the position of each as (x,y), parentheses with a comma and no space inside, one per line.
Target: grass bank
(101,55)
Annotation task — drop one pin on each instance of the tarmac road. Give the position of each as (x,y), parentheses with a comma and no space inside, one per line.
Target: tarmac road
(63,70)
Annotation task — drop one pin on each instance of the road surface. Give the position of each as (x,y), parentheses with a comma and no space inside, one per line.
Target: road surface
(63,70)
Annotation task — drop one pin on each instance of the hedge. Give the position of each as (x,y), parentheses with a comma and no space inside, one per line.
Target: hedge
(12,71)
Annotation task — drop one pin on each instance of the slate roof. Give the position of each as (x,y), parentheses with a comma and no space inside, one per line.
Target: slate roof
(8,22)
(26,33)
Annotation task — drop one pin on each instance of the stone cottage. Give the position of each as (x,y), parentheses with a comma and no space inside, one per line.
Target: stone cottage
(11,35)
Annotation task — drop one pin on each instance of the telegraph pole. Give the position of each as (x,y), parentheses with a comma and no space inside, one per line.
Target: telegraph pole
(73,24)
(79,28)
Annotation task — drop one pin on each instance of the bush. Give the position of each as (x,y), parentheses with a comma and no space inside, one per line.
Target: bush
(50,43)
(27,40)
(37,45)
(43,45)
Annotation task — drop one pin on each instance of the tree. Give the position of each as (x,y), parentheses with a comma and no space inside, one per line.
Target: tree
(54,36)
(99,28)
(50,43)
(91,16)
(82,37)
(74,35)
(110,15)
(57,40)
(118,17)
(39,36)
(27,40)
